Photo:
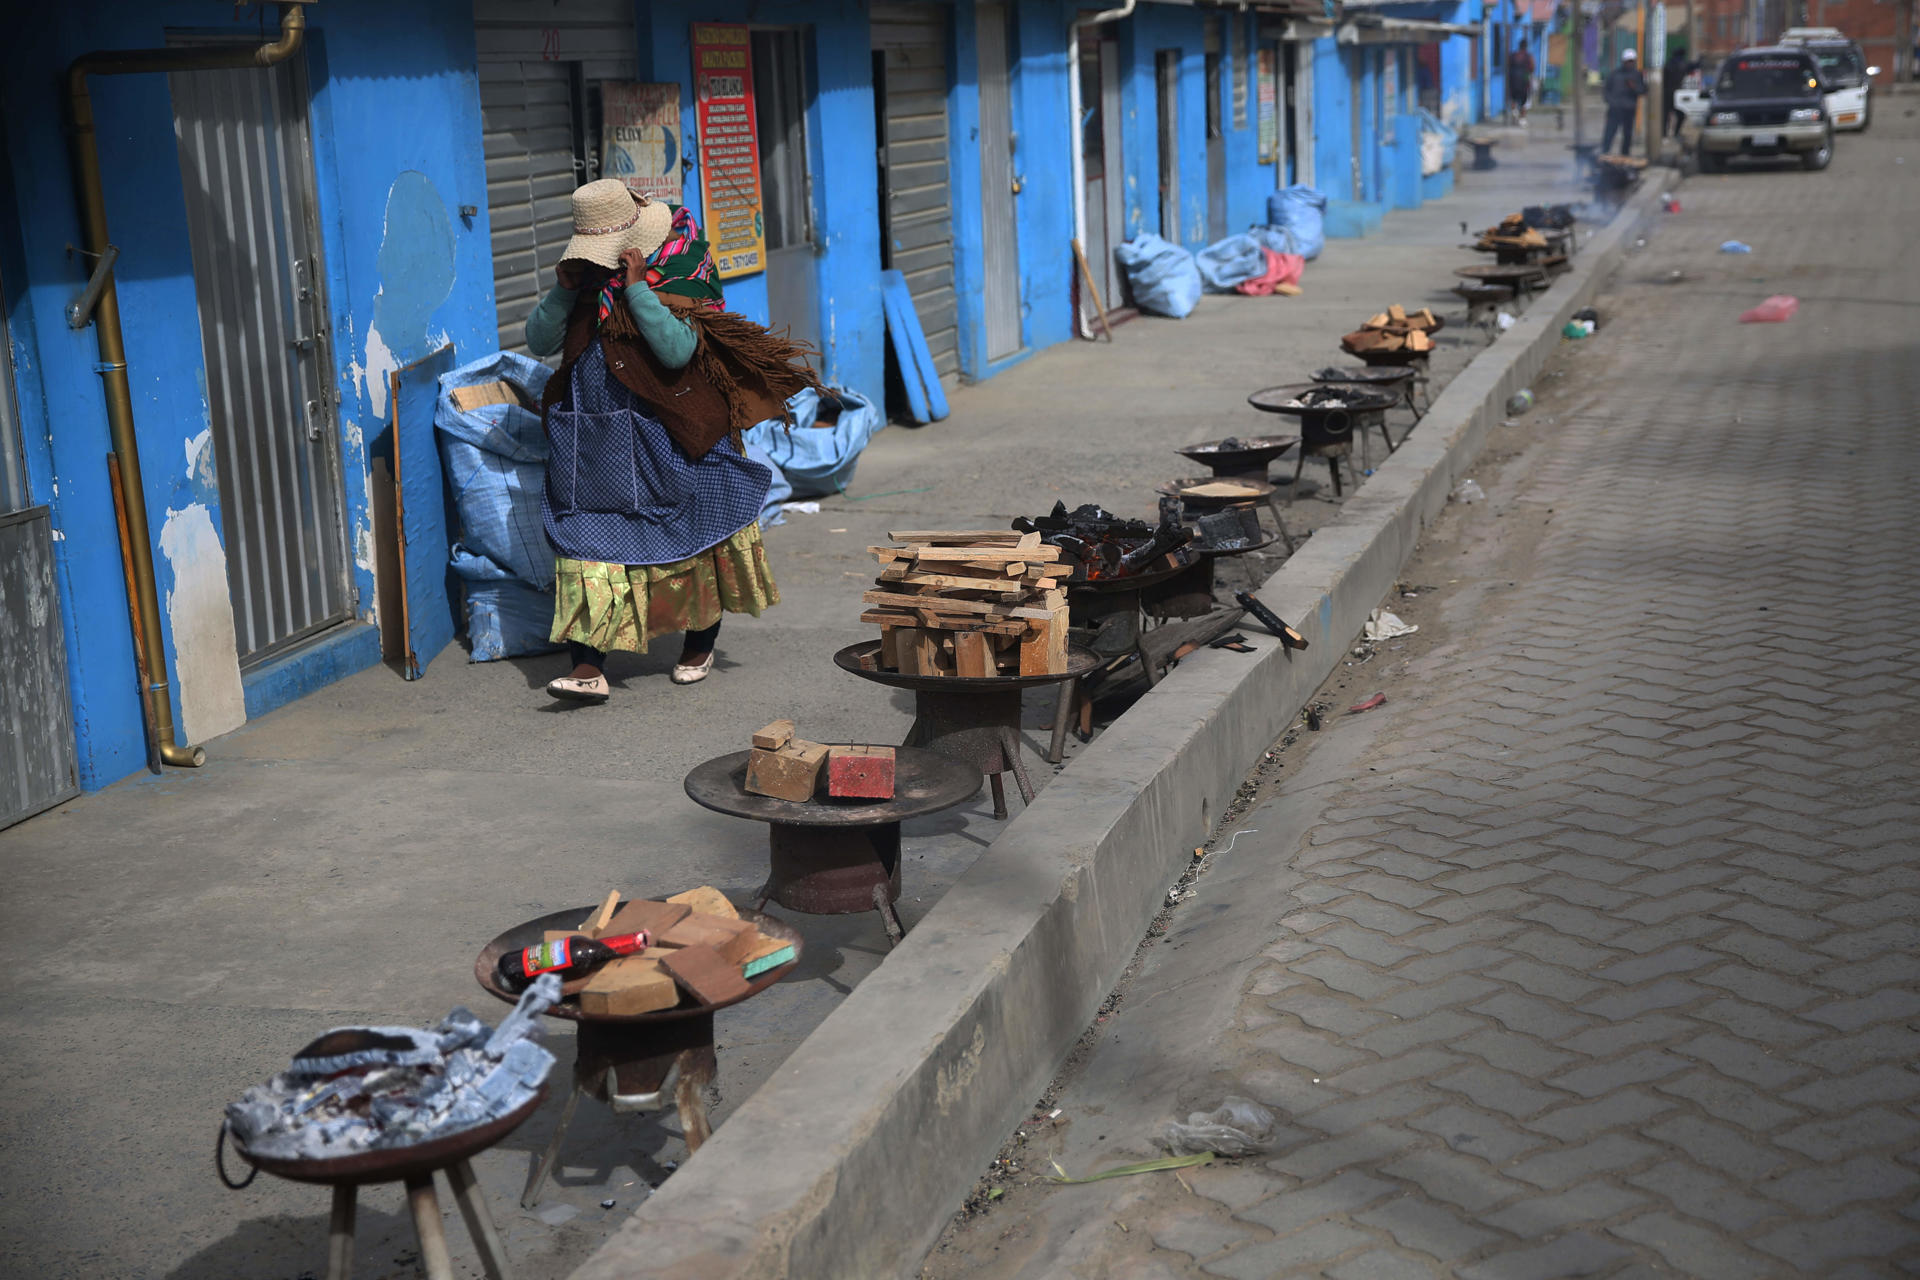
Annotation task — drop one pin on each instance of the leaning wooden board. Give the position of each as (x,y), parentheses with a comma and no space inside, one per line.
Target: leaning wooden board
(926,399)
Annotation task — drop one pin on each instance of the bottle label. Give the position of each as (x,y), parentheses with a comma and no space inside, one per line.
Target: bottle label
(547,957)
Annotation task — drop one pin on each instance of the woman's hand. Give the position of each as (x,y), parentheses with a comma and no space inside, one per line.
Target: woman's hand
(567,274)
(635,263)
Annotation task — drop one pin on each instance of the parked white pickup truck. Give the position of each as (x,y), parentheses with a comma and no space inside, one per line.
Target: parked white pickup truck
(1844,74)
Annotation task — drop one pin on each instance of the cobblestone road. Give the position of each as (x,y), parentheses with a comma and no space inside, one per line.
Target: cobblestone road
(1606,961)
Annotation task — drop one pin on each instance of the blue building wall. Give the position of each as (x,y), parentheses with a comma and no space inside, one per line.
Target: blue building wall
(395,116)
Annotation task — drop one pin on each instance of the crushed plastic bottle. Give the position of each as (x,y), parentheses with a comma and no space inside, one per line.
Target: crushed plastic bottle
(1468,491)
(1774,310)
(1519,402)
(1736,246)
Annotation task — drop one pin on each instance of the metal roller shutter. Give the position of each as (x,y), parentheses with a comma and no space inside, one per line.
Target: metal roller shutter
(913,39)
(541,67)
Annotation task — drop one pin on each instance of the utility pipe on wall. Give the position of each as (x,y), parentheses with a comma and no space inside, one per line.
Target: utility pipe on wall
(106,323)
(1077,163)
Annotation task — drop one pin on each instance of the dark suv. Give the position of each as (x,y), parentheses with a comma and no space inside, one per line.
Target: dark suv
(1767,102)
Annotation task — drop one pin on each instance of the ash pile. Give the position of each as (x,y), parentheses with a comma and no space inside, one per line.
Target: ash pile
(358,1089)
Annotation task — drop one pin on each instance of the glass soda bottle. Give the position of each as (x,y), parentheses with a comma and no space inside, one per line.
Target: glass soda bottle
(570,957)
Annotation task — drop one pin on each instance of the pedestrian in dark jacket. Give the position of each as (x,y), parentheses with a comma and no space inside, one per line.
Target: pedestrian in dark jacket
(1519,80)
(1623,90)
(1672,76)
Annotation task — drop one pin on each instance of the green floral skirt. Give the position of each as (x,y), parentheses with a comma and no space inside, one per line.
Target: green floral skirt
(622,606)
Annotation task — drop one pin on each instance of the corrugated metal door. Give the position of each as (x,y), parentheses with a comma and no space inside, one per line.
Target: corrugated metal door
(999,184)
(38,768)
(910,44)
(541,67)
(248,173)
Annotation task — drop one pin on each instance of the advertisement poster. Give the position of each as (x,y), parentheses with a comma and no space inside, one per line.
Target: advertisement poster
(1266,86)
(729,151)
(640,138)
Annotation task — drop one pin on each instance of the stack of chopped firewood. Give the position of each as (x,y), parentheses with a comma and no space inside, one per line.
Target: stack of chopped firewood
(971,603)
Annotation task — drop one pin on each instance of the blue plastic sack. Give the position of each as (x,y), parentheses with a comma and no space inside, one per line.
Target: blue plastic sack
(778,492)
(506,618)
(495,458)
(816,458)
(1229,262)
(1301,211)
(1278,239)
(1163,277)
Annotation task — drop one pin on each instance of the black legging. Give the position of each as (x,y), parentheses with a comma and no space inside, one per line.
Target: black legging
(697,642)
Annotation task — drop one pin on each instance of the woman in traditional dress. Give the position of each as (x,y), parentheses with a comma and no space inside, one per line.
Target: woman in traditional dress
(651,504)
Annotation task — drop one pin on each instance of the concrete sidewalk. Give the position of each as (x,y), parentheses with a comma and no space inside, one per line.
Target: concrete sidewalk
(342,859)
(1592,952)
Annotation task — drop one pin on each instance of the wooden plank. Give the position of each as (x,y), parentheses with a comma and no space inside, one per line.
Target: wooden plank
(988,555)
(996,537)
(973,656)
(971,622)
(774,736)
(948,605)
(952,582)
(926,652)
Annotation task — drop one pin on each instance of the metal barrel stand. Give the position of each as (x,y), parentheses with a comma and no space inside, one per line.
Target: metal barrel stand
(628,1062)
(974,720)
(830,857)
(414,1167)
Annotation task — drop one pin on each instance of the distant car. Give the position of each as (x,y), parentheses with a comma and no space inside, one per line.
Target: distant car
(1844,74)
(1767,102)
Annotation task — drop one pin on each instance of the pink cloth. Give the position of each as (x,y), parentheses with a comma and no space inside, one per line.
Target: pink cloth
(1282,268)
(1779,307)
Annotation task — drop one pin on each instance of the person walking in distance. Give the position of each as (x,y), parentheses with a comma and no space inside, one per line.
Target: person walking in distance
(1624,88)
(1519,81)
(1672,76)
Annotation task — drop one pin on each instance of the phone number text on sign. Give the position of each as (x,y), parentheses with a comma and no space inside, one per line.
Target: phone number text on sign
(729,150)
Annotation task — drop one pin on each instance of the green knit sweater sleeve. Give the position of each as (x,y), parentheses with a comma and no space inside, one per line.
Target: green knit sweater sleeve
(671,338)
(547,326)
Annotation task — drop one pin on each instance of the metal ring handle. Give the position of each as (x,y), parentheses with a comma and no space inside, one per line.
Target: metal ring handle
(1342,417)
(220,1161)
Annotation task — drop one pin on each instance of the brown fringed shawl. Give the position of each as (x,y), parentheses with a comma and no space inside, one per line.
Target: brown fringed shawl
(741,373)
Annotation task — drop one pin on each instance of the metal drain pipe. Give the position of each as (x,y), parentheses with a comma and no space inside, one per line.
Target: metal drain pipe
(158,702)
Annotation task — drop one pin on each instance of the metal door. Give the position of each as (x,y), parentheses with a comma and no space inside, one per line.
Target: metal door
(1216,137)
(999,184)
(38,765)
(247,168)
(910,66)
(541,68)
(1102,167)
(780,113)
(1167,78)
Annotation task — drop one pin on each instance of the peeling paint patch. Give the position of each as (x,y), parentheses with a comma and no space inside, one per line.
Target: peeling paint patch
(200,620)
(373,374)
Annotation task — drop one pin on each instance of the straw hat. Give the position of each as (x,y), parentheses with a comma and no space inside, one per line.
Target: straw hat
(608,219)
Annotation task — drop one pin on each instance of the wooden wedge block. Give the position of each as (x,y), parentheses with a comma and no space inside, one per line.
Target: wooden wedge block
(703,974)
(973,657)
(636,914)
(1044,651)
(628,986)
(707,901)
(776,952)
(791,773)
(598,920)
(733,939)
(774,736)
(1396,312)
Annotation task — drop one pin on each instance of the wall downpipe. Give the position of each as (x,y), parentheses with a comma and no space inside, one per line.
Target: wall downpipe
(158,701)
(1076,138)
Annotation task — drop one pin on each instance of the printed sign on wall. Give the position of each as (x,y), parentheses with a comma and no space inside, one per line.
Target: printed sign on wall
(640,138)
(1268,105)
(729,149)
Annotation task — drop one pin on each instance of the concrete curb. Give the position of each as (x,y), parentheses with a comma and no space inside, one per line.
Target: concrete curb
(849,1161)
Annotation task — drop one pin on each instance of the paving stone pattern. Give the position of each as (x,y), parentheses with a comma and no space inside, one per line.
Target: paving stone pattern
(1610,968)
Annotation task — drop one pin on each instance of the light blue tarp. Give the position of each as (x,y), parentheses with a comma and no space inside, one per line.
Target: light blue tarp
(1163,277)
(1300,211)
(1226,263)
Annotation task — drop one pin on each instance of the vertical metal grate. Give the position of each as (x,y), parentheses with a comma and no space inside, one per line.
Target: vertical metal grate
(248,176)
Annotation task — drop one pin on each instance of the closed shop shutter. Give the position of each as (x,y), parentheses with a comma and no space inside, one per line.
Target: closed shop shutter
(910,44)
(541,67)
